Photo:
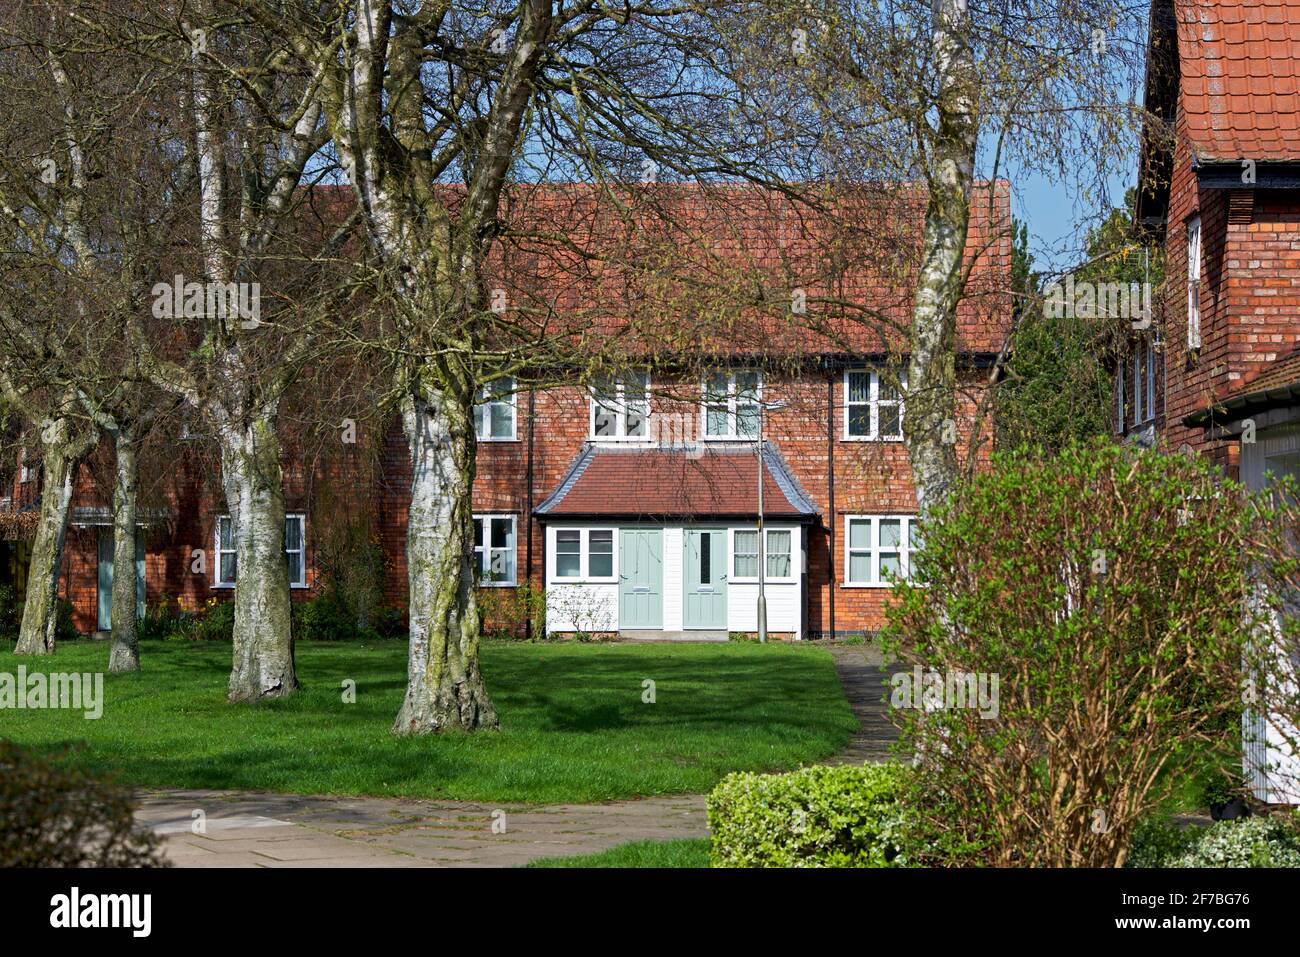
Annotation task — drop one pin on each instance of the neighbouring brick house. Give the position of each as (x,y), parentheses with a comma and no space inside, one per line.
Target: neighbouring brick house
(1224,197)
(633,502)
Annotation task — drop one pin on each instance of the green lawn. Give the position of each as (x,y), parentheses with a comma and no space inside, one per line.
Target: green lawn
(684,853)
(574,727)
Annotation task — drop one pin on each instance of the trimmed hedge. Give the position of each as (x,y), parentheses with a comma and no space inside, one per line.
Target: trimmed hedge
(814,817)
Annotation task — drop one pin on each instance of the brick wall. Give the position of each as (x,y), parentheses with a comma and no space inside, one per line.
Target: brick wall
(370,483)
(1250,297)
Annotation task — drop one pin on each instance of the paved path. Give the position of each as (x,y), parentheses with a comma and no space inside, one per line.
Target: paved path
(243,829)
(250,829)
(866,685)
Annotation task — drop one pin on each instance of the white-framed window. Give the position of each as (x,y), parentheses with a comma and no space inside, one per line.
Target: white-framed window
(295,551)
(494,415)
(1120,393)
(583,554)
(620,408)
(1194,282)
(1144,382)
(731,404)
(873,406)
(744,555)
(877,547)
(495,550)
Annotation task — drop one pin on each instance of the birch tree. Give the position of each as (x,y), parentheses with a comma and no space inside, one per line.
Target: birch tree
(436,112)
(946,94)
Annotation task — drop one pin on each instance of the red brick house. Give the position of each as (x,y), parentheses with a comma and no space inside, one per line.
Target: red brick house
(1224,197)
(634,502)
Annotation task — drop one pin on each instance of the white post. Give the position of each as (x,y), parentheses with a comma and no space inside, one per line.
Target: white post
(762,541)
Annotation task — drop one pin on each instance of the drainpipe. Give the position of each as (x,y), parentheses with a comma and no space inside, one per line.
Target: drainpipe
(528,516)
(830,505)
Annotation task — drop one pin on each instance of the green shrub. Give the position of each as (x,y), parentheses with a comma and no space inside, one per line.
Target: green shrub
(217,622)
(11,613)
(1272,841)
(55,815)
(814,817)
(64,629)
(1097,595)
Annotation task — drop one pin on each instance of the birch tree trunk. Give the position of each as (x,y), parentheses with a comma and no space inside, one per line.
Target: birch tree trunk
(59,458)
(124,648)
(263,665)
(930,423)
(444,687)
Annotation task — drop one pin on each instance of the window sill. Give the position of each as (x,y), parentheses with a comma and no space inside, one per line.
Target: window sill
(512,438)
(866,585)
(871,438)
(556,580)
(498,584)
(229,586)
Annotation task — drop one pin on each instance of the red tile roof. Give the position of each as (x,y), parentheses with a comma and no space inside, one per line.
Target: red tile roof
(716,480)
(1278,383)
(1240,60)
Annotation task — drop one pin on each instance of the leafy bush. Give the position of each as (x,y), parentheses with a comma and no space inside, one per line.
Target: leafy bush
(1102,588)
(1272,841)
(11,613)
(505,612)
(217,622)
(54,815)
(814,817)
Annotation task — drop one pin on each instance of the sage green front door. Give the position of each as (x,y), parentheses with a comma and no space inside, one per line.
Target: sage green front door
(704,573)
(641,578)
(105,576)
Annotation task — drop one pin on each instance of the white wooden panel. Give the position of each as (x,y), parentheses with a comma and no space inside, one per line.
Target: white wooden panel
(673,579)
(582,607)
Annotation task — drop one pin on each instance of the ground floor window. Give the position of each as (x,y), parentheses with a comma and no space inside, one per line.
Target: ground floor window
(583,554)
(879,548)
(494,549)
(295,551)
(744,554)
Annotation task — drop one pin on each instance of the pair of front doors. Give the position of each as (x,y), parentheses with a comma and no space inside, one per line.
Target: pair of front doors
(106,578)
(704,575)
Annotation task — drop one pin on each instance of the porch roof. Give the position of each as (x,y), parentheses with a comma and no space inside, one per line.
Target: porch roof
(703,481)
(1277,384)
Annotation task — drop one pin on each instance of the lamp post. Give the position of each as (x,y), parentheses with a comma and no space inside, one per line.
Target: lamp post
(763,408)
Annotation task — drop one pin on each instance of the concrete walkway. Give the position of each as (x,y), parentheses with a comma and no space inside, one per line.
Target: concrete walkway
(243,829)
(250,829)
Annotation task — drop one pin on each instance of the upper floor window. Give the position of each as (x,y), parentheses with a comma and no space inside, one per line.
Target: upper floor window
(294,551)
(494,416)
(873,406)
(620,408)
(731,405)
(494,549)
(878,548)
(1194,282)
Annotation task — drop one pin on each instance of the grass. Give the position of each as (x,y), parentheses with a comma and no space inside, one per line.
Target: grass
(682,853)
(573,725)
